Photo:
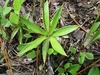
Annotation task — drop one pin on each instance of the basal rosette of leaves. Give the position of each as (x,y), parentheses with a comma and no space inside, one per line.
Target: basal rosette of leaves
(47,35)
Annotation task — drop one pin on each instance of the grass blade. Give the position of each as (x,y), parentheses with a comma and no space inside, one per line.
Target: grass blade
(96,36)
(92,29)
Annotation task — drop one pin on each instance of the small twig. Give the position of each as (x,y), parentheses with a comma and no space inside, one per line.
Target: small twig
(88,67)
(83,28)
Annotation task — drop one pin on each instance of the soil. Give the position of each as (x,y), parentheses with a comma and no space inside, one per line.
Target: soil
(84,12)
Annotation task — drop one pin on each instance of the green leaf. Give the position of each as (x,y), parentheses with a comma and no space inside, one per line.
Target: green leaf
(96,36)
(6,10)
(63,74)
(81,59)
(73,50)
(45,49)
(73,69)
(7,23)
(64,30)
(17,6)
(83,54)
(32,26)
(20,34)
(94,71)
(3,33)
(46,15)
(67,65)
(50,51)
(55,52)
(27,36)
(55,20)
(32,54)
(14,18)
(56,46)
(40,67)
(89,56)
(14,33)
(60,69)
(92,29)
(28,46)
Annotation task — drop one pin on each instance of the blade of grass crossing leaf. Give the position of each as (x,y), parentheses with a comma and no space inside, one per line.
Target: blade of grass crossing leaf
(92,29)
(65,30)
(30,45)
(46,15)
(5,5)
(32,26)
(96,36)
(56,46)
(44,49)
(54,20)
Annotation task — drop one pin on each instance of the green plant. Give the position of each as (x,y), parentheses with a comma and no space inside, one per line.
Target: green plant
(94,31)
(84,55)
(14,19)
(69,68)
(95,34)
(4,22)
(47,35)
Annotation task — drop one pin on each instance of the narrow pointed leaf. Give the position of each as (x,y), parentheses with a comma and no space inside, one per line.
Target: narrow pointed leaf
(14,33)
(28,46)
(64,30)
(96,36)
(44,49)
(32,26)
(46,15)
(55,20)
(56,46)
(92,29)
